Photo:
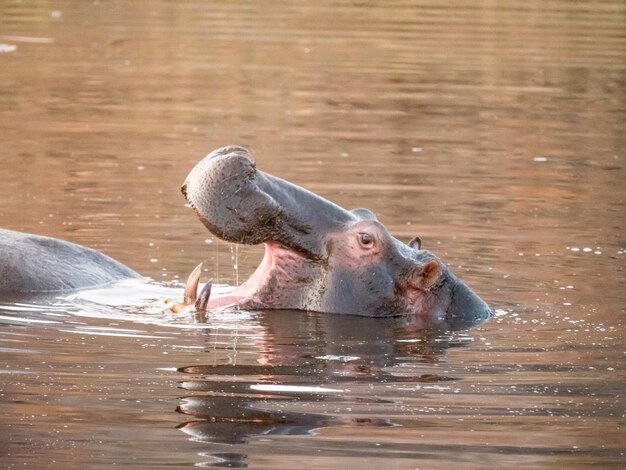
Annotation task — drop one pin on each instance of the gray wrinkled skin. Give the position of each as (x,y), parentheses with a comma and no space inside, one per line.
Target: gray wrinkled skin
(319,256)
(36,264)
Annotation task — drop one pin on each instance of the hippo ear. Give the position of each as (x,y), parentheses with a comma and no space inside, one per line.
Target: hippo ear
(428,275)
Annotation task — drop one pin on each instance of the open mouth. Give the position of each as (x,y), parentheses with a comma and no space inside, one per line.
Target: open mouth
(276,283)
(239,204)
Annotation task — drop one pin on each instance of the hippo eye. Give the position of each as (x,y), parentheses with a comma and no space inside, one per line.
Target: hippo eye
(366,240)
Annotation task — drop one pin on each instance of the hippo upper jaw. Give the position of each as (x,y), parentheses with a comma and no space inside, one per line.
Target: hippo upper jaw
(240,204)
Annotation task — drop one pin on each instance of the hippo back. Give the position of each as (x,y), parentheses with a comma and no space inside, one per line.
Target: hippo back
(32,263)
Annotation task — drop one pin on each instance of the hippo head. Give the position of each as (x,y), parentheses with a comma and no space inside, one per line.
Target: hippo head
(318,256)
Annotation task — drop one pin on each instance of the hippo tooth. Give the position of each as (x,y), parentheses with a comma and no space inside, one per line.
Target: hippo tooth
(203,298)
(191,287)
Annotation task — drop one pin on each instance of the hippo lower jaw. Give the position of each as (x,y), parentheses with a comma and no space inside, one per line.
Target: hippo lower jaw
(287,280)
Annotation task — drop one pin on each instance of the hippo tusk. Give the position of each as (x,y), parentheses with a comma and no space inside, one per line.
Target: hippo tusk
(203,298)
(190,297)
(191,287)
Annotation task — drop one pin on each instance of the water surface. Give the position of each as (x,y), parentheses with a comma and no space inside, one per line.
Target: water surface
(493,131)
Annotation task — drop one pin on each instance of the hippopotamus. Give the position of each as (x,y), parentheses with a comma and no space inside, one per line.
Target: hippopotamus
(33,264)
(318,256)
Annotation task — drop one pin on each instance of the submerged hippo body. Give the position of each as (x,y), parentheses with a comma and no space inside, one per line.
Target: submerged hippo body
(318,256)
(32,264)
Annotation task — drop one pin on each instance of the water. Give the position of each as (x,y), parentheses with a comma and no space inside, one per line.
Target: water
(494,132)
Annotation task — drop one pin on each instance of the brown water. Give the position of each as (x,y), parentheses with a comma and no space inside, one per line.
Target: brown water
(495,131)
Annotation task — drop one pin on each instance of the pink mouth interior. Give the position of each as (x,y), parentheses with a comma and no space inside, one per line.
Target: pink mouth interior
(279,264)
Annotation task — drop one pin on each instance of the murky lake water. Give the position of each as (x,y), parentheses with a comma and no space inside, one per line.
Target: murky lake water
(495,132)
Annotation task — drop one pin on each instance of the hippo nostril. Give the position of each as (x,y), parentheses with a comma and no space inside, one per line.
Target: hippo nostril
(416,243)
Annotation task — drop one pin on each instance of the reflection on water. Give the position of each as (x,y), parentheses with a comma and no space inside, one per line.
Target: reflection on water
(311,365)
(492,131)
(245,385)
